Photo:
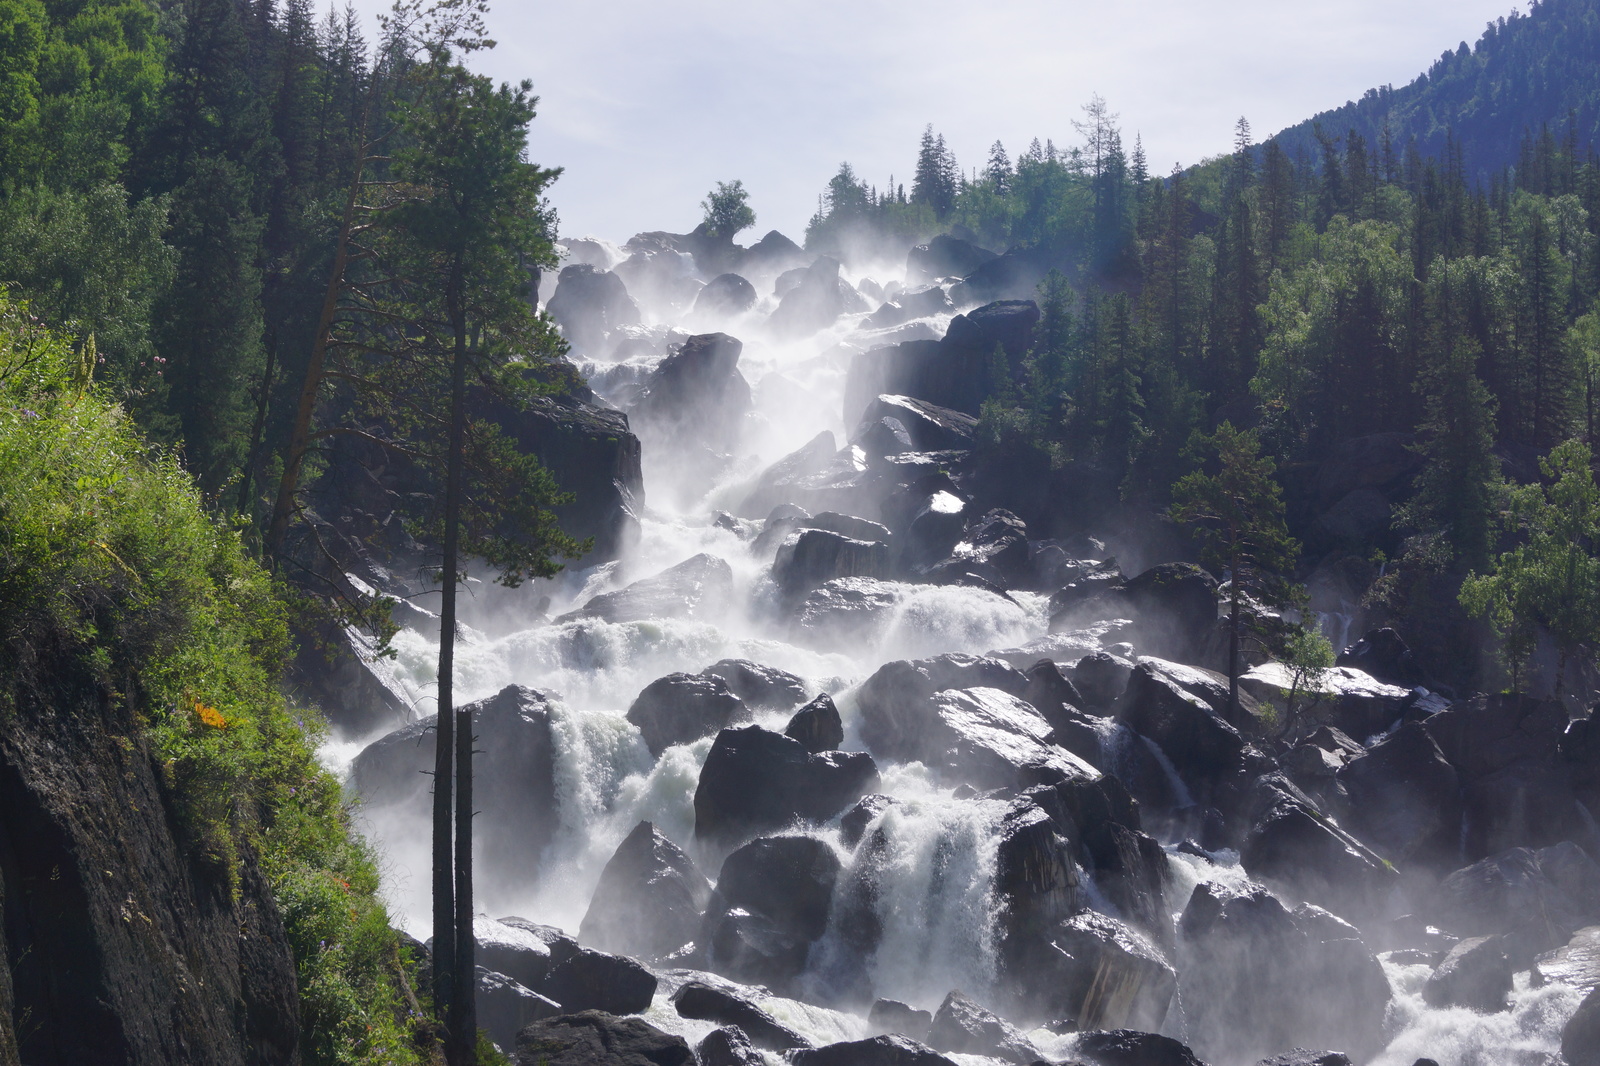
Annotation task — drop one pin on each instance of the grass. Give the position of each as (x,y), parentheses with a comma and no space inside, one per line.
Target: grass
(111,565)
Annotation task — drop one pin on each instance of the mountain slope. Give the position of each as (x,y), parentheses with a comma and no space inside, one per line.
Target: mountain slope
(1524,72)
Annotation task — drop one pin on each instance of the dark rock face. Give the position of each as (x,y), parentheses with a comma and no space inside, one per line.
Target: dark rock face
(1577,963)
(513,777)
(1173,607)
(893,699)
(1580,1039)
(1054,695)
(952,372)
(1405,797)
(595,1038)
(853,823)
(844,611)
(1293,845)
(813,557)
(595,980)
(1036,885)
(727,1046)
(1209,754)
(701,1001)
(1127,1047)
(999,540)
(893,1016)
(1476,974)
(756,781)
(521,950)
(772,902)
(1539,898)
(699,587)
(104,967)
(1302,1057)
(725,294)
(593,454)
(818,299)
(590,303)
(1100,678)
(817,726)
(929,427)
(944,257)
(784,481)
(696,397)
(1383,654)
(762,688)
(848,526)
(1259,975)
(963,1027)
(934,529)
(505,1006)
(649,898)
(680,708)
(1101,974)
(878,1051)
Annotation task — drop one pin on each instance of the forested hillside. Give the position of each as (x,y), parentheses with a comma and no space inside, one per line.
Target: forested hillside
(1529,77)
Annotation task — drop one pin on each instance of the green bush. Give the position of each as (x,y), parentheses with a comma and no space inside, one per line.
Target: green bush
(109,564)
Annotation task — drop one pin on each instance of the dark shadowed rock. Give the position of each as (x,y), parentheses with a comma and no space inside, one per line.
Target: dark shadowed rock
(998,539)
(1100,678)
(817,726)
(595,1038)
(522,950)
(772,902)
(725,294)
(1405,797)
(1293,845)
(1383,654)
(590,303)
(772,254)
(952,372)
(1173,607)
(696,395)
(816,301)
(1302,1057)
(987,738)
(1128,1047)
(813,557)
(853,823)
(505,1006)
(649,898)
(1100,974)
(1035,884)
(1209,754)
(944,257)
(934,528)
(890,1050)
(1580,1038)
(1576,963)
(680,708)
(762,688)
(892,1016)
(595,980)
(848,526)
(727,1046)
(1052,692)
(931,428)
(1540,898)
(699,587)
(514,777)
(1476,974)
(963,1027)
(704,1002)
(893,699)
(846,611)
(756,781)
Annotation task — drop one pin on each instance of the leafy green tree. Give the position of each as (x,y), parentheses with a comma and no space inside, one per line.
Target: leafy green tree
(727,210)
(1309,656)
(22,35)
(1549,579)
(1237,515)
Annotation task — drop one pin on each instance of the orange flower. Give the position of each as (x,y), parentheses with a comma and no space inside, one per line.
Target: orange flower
(210,716)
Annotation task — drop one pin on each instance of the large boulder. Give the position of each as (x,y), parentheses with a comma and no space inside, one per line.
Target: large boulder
(593,454)
(817,726)
(998,540)
(928,426)
(846,611)
(523,951)
(1256,977)
(1099,973)
(813,557)
(1476,974)
(1130,1047)
(953,372)
(1580,1037)
(695,400)
(784,481)
(1035,884)
(1294,846)
(772,902)
(590,303)
(505,1006)
(595,1038)
(596,980)
(1349,699)
(1383,654)
(892,699)
(757,781)
(985,738)
(892,1016)
(513,778)
(888,1050)
(1576,963)
(1208,754)
(762,688)
(1173,607)
(816,301)
(727,1046)
(1405,797)
(681,708)
(965,1028)
(649,898)
(725,295)
(944,257)
(706,1002)
(1538,898)
(700,587)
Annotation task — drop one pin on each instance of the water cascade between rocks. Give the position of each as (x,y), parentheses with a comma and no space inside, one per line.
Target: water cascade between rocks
(841,733)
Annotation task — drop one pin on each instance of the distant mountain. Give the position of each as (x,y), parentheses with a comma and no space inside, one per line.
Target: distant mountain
(1526,72)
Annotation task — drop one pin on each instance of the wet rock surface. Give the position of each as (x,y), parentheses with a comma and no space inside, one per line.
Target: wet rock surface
(595,1038)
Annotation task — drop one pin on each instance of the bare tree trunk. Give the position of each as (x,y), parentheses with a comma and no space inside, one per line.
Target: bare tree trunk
(1235,594)
(461,1025)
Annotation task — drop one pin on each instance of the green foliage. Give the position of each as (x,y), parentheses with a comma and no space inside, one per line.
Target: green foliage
(1237,514)
(109,561)
(1548,580)
(727,210)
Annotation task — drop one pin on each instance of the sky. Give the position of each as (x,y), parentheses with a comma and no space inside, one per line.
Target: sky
(646,104)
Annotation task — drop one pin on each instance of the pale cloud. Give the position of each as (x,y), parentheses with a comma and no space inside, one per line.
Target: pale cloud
(647,104)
